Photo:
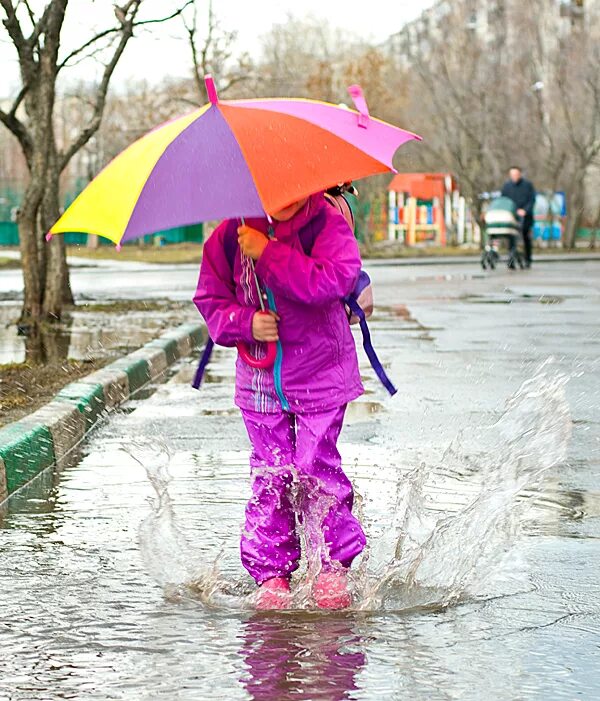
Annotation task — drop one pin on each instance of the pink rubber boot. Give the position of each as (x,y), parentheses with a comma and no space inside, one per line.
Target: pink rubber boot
(274,594)
(330,591)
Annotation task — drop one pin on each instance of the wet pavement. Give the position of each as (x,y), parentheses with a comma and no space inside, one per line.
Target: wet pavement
(480,495)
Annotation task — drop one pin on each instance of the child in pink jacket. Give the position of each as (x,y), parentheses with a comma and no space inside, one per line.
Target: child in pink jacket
(294,411)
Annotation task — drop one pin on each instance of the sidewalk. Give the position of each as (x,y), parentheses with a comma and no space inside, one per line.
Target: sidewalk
(474,259)
(76,261)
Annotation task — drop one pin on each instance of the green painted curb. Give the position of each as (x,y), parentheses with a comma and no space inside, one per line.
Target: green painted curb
(198,333)
(137,372)
(3,487)
(46,437)
(88,397)
(66,423)
(168,345)
(114,384)
(26,450)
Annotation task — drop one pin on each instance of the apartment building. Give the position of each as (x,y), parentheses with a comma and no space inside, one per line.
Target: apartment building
(491,21)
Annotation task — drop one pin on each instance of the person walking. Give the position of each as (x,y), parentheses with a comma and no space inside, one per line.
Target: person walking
(522,193)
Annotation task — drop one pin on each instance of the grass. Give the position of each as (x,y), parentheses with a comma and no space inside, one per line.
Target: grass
(391,250)
(9,263)
(25,388)
(163,255)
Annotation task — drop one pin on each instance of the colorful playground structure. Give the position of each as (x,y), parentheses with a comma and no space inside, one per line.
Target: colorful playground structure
(549,216)
(428,209)
(424,208)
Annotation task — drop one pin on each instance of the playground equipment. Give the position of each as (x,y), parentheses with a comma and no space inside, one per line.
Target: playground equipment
(549,219)
(424,208)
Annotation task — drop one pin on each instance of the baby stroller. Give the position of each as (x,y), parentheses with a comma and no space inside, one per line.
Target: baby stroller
(502,224)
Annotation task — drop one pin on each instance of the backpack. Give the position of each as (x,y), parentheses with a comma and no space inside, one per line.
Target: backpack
(358,304)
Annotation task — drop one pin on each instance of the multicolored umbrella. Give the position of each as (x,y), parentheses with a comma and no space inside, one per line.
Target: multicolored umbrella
(239,158)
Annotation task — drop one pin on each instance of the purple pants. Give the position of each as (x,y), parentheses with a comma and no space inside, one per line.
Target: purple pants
(296,469)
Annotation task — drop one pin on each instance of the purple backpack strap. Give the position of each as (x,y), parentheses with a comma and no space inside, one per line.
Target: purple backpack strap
(307,238)
(368,346)
(230,245)
(204,359)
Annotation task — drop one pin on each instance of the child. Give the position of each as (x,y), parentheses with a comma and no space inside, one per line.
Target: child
(294,411)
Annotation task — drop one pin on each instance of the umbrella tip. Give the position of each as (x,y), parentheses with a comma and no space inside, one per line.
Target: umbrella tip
(118,247)
(358,97)
(211,89)
(48,236)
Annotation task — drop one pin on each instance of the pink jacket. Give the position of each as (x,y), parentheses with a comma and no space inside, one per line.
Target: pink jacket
(317,367)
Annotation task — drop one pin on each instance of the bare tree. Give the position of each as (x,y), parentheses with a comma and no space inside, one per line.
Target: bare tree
(212,53)
(452,106)
(31,118)
(524,90)
(302,58)
(578,89)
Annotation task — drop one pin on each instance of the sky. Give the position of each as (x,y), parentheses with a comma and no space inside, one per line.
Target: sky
(164,52)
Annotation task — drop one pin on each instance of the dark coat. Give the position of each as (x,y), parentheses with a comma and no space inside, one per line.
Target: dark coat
(522,193)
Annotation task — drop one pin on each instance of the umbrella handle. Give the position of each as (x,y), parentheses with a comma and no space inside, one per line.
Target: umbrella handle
(260,363)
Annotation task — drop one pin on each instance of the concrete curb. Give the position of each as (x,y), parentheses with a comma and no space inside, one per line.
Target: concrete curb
(46,437)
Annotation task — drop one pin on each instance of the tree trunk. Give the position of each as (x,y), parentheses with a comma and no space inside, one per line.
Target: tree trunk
(57,277)
(67,296)
(576,207)
(47,345)
(45,273)
(32,299)
(27,221)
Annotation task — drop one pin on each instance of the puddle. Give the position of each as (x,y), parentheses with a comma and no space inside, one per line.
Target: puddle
(392,314)
(361,410)
(86,335)
(509,298)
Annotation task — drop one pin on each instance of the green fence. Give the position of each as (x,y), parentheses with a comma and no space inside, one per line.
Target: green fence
(9,236)
(10,198)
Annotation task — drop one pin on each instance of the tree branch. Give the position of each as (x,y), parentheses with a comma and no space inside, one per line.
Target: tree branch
(233,81)
(127,27)
(39,27)
(19,98)
(29,12)
(175,14)
(117,30)
(18,129)
(93,125)
(209,39)
(91,42)
(191,30)
(19,41)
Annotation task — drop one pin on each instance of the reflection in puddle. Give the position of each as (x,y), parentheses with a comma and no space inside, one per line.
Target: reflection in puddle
(362,410)
(384,315)
(219,412)
(300,657)
(512,298)
(90,334)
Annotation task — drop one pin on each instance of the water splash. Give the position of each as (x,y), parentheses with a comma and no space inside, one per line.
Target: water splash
(163,546)
(441,557)
(432,554)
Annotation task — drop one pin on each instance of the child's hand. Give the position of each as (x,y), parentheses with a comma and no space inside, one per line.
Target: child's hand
(264,326)
(252,242)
